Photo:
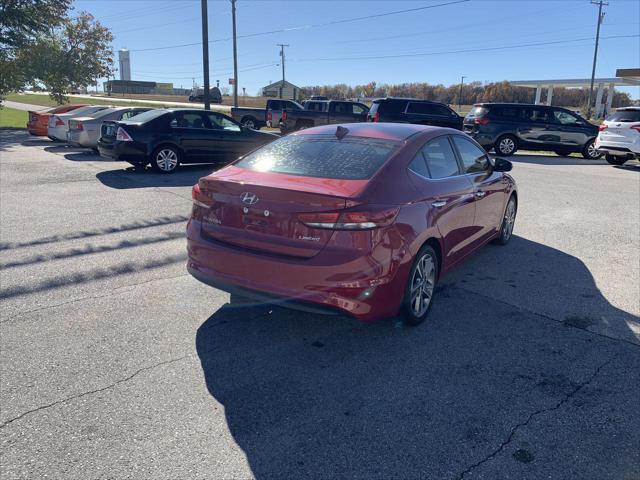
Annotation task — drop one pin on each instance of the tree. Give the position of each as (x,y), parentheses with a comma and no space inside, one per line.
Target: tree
(42,45)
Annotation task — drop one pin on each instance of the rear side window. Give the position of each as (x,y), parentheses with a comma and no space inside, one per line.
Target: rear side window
(474,159)
(419,166)
(386,107)
(321,156)
(505,113)
(420,108)
(537,115)
(441,161)
(624,116)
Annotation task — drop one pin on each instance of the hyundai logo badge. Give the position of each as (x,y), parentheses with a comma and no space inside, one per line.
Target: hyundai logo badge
(249,198)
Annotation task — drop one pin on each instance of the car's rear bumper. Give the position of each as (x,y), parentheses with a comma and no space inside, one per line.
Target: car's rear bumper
(318,283)
(132,152)
(80,139)
(629,149)
(59,133)
(37,128)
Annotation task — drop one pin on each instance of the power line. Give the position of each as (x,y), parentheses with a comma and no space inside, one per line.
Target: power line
(471,50)
(448,29)
(306,27)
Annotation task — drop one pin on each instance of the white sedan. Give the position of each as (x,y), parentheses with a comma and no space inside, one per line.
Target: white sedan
(619,136)
(59,123)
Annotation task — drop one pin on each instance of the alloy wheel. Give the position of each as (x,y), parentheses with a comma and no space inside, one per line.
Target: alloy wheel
(592,151)
(422,285)
(167,160)
(509,220)
(249,124)
(506,146)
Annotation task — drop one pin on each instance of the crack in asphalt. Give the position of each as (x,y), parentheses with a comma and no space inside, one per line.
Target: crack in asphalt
(115,291)
(545,316)
(531,416)
(90,392)
(112,385)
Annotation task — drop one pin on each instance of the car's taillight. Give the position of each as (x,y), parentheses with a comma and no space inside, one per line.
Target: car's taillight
(197,197)
(58,122)
(481,121)
(636,128)
(123,136)
(284,116)
(79,126)
(361,219)
(376,117)
(603,127)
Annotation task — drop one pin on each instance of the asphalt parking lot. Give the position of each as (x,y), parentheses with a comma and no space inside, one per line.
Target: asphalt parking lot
(115,363)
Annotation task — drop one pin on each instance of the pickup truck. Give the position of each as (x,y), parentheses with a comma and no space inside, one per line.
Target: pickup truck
(323,112)
(257,118)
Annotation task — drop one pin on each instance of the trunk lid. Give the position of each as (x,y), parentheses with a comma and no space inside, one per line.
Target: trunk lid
(108,131)
(259,210)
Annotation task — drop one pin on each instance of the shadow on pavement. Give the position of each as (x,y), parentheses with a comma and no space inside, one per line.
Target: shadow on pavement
(630,167)
(554,160)
(186,175)
(310,396)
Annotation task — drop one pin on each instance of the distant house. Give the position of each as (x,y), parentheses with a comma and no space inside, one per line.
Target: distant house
(281,89)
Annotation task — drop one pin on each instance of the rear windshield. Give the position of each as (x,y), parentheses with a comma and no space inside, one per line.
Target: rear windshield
(624,116)
(83,111)
(321,156)
(477,111)
(101,113)
(146,116)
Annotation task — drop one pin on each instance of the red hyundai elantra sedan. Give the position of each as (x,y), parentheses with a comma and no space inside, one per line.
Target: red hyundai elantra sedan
(360,219)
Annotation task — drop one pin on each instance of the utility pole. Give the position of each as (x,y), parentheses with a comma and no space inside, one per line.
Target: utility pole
(600,3)
(205,53)
(460,94)
(235,55)
(282,45)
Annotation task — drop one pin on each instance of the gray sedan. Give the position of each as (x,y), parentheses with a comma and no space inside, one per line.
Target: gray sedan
(85,131)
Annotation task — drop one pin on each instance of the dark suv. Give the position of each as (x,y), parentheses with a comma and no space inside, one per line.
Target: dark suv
(413,110)
(506,127)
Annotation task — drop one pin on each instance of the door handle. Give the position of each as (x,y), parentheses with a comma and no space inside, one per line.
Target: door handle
(480,194)
(439,204)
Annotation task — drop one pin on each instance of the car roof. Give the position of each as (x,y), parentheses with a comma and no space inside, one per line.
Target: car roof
(627,108)
(408,99)
(384,131)
(509,104)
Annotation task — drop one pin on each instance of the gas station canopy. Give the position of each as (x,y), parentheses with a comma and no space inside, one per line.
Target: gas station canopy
(625,77)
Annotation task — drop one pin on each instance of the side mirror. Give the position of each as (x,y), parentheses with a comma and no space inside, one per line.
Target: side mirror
(502,165)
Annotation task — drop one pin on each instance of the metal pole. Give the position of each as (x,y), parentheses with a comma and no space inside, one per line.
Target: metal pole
(205,53)
(595,55)
(235,55)
(281,45)
(460,94)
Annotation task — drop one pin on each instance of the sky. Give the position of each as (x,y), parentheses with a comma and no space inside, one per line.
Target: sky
(433,41)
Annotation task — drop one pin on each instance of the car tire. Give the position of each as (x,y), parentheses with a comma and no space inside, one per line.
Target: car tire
(418,296)
(508,221)
(165,159)
(506,145)
(590,152)
(249,122)
(613,160)
(562,153)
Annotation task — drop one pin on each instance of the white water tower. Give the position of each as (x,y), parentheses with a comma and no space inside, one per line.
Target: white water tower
(125,64)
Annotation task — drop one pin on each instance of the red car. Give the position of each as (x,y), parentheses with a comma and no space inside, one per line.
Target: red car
(39,121)
(360,219)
